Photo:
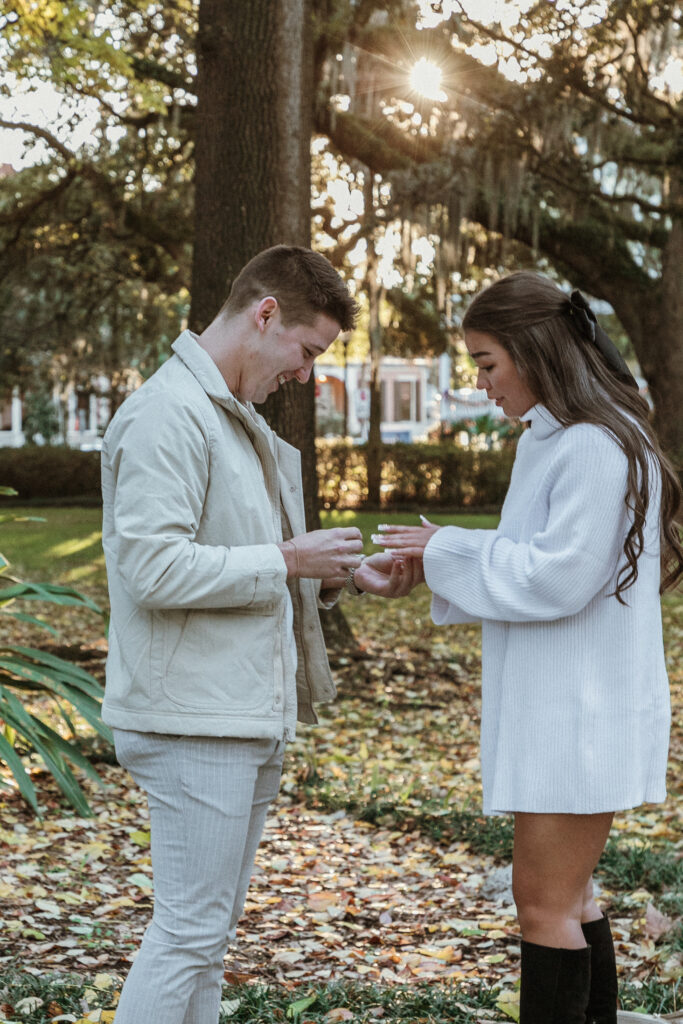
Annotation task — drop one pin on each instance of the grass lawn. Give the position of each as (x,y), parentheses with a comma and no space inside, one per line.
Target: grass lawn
(66,547)
(378,810)
(59,545)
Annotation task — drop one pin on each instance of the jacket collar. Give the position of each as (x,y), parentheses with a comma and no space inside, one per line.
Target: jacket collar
(201,365)
(543,423)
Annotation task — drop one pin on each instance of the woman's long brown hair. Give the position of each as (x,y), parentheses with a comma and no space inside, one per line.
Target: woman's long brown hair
(529,316)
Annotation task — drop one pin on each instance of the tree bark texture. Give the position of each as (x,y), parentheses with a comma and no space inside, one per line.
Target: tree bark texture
(252,178)
(374,291)
(650,310)
(253,181)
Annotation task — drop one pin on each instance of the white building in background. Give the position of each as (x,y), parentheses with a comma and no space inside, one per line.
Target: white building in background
(11,433)
(83,415)
(468,404)
(415,399)
(408,389)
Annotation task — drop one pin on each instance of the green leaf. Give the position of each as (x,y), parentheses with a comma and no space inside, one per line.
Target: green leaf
(44,674)
(14,712)
(49,592)
(66,749)
(141,837)
(54,660)
(51,747)
(8,491)
(64,778)
(87,705)
(67,669)
(295,1010)
(15,765)
(23,617)
(508,1002)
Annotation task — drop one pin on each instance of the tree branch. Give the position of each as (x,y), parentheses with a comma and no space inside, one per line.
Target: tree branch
(574,78)
(144,67)
(42,133)
(21,214)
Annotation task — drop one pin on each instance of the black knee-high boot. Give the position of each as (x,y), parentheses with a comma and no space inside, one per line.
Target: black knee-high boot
(602,1001)
(555,985)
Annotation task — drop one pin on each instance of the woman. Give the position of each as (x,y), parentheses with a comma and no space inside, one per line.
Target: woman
(575,700)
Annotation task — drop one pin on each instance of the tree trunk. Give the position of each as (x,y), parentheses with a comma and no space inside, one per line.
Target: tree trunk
(252,177)
(374,454)
(374,291)
(662,352)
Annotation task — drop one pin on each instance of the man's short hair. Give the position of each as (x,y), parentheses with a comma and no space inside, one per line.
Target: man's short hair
(304,283)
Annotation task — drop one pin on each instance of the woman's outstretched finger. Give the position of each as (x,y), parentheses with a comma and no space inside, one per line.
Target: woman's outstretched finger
(401,536)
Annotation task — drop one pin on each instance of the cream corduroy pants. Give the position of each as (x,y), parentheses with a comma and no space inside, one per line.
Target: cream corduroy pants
(208,798)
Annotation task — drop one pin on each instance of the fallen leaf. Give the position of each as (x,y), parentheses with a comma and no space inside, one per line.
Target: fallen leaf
(28,1005)
(230,1006)
(656,923)
(508,1002)
(448,954)
(288,956)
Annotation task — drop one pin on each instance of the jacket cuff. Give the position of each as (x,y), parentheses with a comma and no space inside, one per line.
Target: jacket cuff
(266,566)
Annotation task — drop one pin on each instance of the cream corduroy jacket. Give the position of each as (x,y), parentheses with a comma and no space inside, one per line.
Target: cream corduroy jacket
(197,493)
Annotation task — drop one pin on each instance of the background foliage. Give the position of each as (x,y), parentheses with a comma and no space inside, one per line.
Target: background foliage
(554,140)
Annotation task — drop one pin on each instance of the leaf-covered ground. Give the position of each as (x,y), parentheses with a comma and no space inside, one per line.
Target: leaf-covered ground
(375,868)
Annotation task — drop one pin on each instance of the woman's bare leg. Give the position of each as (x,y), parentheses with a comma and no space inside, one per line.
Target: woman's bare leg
(553,862)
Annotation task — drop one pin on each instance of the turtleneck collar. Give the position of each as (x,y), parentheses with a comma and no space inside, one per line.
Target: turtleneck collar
(543,423)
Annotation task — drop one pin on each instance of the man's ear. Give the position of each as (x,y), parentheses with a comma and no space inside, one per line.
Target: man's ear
(264,311)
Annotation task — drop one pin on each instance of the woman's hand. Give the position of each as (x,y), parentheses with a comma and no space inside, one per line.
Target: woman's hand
(410,541)
(388,575)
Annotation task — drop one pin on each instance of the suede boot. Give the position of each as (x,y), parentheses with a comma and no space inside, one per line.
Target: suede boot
(555,985)
(602,1001)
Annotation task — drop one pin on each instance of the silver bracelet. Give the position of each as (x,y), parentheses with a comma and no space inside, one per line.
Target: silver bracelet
(350,584)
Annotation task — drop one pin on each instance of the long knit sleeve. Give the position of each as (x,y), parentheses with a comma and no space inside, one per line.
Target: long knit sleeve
(556,567)
(575,697)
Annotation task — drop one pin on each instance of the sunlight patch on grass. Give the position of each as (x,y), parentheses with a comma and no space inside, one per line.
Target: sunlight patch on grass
(339,517)
(74,545)
(84,572)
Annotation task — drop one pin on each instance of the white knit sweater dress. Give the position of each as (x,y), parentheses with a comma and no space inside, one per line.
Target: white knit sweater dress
(575,696)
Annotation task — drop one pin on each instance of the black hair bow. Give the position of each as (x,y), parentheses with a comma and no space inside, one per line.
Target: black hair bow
(586,321)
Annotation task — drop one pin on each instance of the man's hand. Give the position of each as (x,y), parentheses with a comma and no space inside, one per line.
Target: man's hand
(389,576)
(323,554)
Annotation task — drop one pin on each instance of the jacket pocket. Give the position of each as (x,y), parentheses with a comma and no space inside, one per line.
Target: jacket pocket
(221,661)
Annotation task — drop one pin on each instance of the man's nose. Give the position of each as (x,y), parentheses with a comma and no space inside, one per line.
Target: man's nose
(303,374)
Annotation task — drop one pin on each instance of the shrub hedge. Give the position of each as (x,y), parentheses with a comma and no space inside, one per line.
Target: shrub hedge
(51,473)
(436,475)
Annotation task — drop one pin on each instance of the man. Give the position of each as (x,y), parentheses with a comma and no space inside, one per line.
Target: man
(215,642)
